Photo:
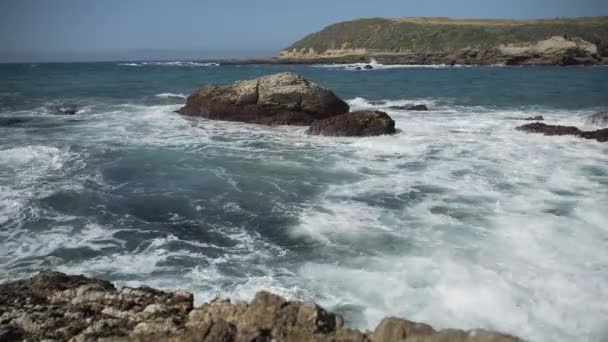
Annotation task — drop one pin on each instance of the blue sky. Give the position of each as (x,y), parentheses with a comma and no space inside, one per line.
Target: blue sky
(41,30)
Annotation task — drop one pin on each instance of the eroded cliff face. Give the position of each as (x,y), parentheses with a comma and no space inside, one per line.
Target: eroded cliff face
(59,307)
(557,50)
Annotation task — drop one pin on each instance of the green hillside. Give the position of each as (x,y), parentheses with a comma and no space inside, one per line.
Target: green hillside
(435,34)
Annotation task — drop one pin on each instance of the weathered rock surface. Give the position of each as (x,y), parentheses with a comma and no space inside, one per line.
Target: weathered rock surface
(280,99)
(355,124)
(538,127)
(598,119)
(55,306)
(553,51)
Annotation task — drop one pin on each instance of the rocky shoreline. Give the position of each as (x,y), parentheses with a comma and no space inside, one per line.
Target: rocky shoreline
(53,306)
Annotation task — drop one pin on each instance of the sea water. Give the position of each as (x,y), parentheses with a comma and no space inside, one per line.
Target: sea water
(457,220)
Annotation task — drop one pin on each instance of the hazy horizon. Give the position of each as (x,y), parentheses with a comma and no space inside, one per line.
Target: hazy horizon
(71,30)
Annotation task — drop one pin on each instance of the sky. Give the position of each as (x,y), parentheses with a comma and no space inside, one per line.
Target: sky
(83,30)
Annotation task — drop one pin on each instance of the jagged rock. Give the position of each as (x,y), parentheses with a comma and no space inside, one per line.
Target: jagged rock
(280,99)
(55,306)
(538,127)
(598,119)
(545,129)
(355,124)
(400,330)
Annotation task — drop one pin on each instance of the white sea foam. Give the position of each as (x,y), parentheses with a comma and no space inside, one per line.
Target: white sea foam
(485,228)
(170,95)
(374,65)
(458,220)
(171,63)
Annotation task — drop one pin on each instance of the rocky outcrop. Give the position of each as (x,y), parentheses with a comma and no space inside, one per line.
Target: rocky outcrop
(598,119)
(562,41)
(361,123)
(556,50)
(55,306)
(280,99)
(537,127)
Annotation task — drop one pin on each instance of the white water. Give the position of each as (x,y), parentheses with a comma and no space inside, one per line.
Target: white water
(171,63)
(458,220)
(379,66)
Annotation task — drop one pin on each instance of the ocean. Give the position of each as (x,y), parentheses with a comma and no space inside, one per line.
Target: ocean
(457,220)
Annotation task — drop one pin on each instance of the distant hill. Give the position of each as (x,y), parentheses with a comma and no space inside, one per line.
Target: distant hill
(470,41)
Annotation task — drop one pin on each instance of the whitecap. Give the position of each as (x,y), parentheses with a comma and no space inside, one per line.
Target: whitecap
(170,95)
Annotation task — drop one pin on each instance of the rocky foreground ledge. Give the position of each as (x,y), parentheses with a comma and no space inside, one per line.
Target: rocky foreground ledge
(54,306)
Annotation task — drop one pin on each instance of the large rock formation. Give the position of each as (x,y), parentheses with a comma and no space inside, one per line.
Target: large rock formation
(556,50)
(537,127)
(280,99)
(55,306)
(355,124)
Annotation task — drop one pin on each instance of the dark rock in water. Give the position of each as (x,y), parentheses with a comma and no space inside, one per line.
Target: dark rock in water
(377,102)
(355,124)
(538,127)
(412,108)
(418,107)
(535,118)
(598,119)
(67,109)
(368,67)
(599,135)
(55,306)
(358,68)
(284,98)
(8,122)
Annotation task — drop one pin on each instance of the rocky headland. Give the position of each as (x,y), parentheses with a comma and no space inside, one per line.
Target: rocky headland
(427,40)
(53,306)
(285,99)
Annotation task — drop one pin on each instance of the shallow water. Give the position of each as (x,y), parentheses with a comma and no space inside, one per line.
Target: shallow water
(458,220)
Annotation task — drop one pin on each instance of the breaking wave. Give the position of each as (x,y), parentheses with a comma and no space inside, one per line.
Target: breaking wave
(173,63)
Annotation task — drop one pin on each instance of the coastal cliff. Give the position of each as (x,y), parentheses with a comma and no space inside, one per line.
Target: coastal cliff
(53,306)
(575,41)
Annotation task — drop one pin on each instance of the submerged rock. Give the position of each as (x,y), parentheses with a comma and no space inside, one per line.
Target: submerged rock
(412,108)
(535,118)
(418,108)
(66,109)
(538,127)
(355,124)
(598,119)
(280,99)
(368,67)
(8,122)
(59,307)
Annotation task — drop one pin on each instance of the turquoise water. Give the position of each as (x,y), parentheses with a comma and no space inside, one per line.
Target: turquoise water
(458,220)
